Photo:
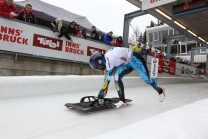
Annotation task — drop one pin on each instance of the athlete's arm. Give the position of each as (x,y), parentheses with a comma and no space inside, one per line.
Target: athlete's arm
(104,89)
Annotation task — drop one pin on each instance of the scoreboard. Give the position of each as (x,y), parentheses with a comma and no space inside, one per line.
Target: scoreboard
(190,7)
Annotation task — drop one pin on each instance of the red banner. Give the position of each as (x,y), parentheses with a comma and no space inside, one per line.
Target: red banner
(166,64)
(172,67)
(160,66)
(91,50)
(47,42)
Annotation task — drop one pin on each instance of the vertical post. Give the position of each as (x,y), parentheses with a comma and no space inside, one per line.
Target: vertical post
(192,56)
(207,65)
(80,65)
(168,48)
(15,57)
(126,30)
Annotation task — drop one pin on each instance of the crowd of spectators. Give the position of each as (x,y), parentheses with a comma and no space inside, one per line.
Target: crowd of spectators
(9,9)
(159,54)
(146,51)
(156,53)
(179,60)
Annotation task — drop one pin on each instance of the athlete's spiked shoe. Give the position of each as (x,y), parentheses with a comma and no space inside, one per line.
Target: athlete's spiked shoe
(162,95)
(120,104)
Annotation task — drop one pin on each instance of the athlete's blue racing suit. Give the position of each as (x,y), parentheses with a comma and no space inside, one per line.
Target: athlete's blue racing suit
(117,68)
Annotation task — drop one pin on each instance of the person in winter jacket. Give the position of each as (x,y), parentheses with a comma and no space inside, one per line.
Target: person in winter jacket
(56,25)
(84,34)
(137,48)
(69,30)
(94,35)
(118,42)
(8,9)
(155,54)
(107,38)
(79,33)
(144,52)
(27,14)
(149,50)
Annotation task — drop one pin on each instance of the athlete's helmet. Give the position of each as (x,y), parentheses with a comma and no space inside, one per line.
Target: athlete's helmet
(97,61)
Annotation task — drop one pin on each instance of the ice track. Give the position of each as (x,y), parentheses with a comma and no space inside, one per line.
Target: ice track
(33,108)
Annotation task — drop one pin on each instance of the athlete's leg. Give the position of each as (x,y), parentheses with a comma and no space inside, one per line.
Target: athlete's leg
(138,63)
(120,72)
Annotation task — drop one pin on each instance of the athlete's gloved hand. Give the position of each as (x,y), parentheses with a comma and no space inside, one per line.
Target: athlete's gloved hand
(101,101)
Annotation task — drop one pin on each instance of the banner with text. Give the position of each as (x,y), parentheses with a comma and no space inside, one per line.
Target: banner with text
(154,67)
(160,66)
(187,71)
(148,4)
(27,39)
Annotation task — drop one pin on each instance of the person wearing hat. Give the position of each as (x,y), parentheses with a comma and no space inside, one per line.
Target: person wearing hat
(107,38)
(137,48)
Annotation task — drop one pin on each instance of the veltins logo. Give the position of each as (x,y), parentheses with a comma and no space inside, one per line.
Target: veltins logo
(91,50)
(47,42)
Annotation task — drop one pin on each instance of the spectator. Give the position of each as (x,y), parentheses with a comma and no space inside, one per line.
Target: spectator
(27,15)
(160,54)
(137,48)
(56,25)
(200,72)
(8,9)
(94,35)
(172,58)
(182,61)
(69,30)
(84,33)
(79,33)
(178,60)
(107,38)
(118,42)
(144,52)
(149,50)
(101,38)
(155,54)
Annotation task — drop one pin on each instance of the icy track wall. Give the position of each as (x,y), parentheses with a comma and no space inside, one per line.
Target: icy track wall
(24,86)
(28,86)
